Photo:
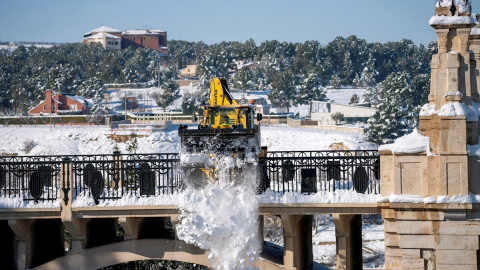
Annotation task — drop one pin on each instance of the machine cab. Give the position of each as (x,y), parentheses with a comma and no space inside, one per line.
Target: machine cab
(241,117)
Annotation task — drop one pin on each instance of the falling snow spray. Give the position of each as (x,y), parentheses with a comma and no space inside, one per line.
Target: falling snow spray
(222,216)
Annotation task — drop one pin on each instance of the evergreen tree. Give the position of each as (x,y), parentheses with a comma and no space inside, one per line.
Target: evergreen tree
(283,89)
(170,92)
(400,101)
(335,81)
(356,82)
(354,99)
(310,89)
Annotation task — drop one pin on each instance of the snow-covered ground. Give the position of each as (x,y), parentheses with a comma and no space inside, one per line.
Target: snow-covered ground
(342,96)
(82,140)
(14,47)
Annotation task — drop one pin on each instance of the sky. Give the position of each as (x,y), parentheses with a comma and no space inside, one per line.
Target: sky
(213,21)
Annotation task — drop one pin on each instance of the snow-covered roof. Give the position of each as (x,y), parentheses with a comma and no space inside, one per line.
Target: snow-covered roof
(80,99)
(143,32)
(100,35)
(104,28)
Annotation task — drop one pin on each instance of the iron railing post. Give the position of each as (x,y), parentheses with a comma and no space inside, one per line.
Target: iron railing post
(66,183)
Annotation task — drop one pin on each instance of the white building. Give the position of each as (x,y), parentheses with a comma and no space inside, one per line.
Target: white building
(109,37)
(321,111)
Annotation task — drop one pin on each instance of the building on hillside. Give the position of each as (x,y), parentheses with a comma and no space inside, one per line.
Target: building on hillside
(112,38)
(108,41)
(108,37)
(153,39)
(62,103)
(188,72)
(321,111)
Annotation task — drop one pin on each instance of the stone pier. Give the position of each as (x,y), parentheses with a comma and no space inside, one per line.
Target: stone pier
(432,219)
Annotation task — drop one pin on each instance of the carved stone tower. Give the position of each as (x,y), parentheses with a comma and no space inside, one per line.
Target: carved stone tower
(432,216)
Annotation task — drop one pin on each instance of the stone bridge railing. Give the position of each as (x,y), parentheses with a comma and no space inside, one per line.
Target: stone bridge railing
(110,177)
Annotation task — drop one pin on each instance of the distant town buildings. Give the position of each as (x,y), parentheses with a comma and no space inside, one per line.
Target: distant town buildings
(62,103)
(111,38)
(322,111)
(188,72)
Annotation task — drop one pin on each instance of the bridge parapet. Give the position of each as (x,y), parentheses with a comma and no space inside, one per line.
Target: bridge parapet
(40,181)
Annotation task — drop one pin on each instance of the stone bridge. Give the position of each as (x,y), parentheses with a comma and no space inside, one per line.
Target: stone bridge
(44,197)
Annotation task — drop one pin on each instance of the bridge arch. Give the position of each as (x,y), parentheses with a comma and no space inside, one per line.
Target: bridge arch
(131,250)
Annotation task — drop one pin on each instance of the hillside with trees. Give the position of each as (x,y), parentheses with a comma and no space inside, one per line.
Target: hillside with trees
(394,74)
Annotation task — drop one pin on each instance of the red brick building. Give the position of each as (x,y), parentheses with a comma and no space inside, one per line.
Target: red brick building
(153,39)
(112,38)
(62,103)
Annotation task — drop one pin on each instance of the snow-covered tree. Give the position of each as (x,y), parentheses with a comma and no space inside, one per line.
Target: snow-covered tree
(335,81)
(170,92)
(309,89)
(354,99)
(400,100)
(283,89)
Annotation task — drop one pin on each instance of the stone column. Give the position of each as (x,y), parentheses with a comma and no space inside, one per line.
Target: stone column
(297,241)
(348,233)
(22,229)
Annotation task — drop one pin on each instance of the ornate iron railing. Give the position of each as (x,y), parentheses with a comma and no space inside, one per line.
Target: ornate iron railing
(110,177)
(312,171)
(31,178)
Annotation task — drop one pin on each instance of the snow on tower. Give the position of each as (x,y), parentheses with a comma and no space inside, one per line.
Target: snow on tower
(453,88)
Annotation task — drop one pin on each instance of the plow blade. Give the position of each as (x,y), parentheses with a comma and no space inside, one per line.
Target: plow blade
(219,140)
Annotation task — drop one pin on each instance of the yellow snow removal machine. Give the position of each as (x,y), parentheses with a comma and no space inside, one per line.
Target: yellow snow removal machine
(226,129)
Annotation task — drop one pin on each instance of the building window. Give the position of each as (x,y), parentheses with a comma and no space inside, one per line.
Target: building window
(116,42)
(53,107)
(73,107)
(44,107)
(109,43)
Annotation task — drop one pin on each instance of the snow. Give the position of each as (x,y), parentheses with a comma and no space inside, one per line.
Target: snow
(81,100)
(286,138)
(474,150)
(142,32)
(18,202)
(324,250)
(100,35)
(105,28)
(337,196)
(449,20)
(13,48)
(83,140)
(452,109)
(410,143)
(458,109)
(475,31)
(79,140)
(408,198)
(342,96)
(462,5)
